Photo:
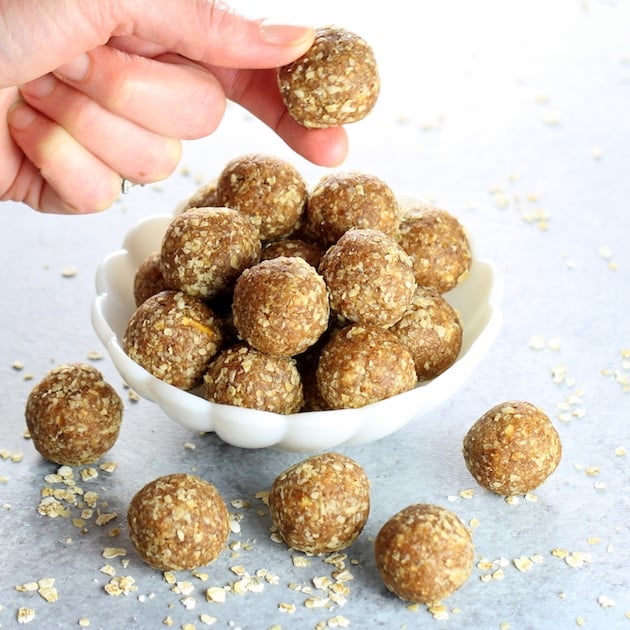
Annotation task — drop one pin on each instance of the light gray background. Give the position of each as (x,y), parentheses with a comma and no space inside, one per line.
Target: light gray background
(513,115)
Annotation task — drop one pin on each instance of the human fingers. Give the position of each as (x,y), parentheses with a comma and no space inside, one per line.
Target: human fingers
(170,96)
(125,147)
(257,91)
(202,30)
(57,173)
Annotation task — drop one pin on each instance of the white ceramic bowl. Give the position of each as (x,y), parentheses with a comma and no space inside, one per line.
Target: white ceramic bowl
(475,299)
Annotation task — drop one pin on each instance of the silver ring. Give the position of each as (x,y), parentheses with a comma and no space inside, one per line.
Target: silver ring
(126,186)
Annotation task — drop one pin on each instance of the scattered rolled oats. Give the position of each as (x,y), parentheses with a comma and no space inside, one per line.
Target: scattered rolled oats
(216,594)
(122,585)
(113,552)
(523,563)
(25,615)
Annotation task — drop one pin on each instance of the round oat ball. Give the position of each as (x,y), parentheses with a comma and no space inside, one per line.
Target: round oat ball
(174,337)
(204,250)
(204,197)
(362,364)
(280,306)
(311,253)
(369,277)
(424,553)
(431,331)
(270,191)
(178,522)
(438,246)
(73,415)
(320,504)
(148,279)
(512,448)
(333,83)
(341,201)
(245,377)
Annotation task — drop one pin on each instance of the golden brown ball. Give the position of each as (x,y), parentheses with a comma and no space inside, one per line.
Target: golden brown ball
(438,246)
(345,200)
(512,448)
(174,337)
(73,415)
(178,522)
(333,83)
(204,250)
(369,276)
(320,504)
(280,306)
(268,190)
(424,553)
(362,364)
(431,330)
(245,377)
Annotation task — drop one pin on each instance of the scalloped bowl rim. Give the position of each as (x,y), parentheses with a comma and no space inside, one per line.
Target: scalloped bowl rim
(476,300)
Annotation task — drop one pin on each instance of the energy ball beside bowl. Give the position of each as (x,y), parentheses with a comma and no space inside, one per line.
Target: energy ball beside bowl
(512,448)
(73,415)
(438,246)
(424,553)
(178,522)
(431,330)
(341,201)
(174,337)
(204,250)
(369,276)
(245,377)
(267,189)
(280,306)
(333,83)
(320,504)
(362,364)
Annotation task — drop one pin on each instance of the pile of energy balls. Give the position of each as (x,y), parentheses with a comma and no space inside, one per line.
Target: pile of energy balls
(277,297)
(284,299)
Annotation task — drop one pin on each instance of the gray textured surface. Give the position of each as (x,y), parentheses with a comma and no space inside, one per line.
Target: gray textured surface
(501,112)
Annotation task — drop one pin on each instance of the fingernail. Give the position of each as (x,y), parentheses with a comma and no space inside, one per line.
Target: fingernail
(20,116)
(284,34)
(75,70)
(40,87)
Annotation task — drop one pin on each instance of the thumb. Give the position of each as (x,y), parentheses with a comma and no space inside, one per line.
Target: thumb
(206,31)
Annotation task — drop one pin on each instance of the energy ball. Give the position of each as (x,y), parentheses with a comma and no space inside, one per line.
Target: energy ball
(369,276)
(178,522)
(204,250)
(148,279)
(245,377)
(362,364)
(321,504)
(174,337)
(438,246)
(341,201)
(280,306)
(204,197)
(334,83)
(431,331)
(270,191)
(311,253)
(512,448)
(424,553)
(73,415)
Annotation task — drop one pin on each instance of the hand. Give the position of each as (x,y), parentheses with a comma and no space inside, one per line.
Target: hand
(97,91)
